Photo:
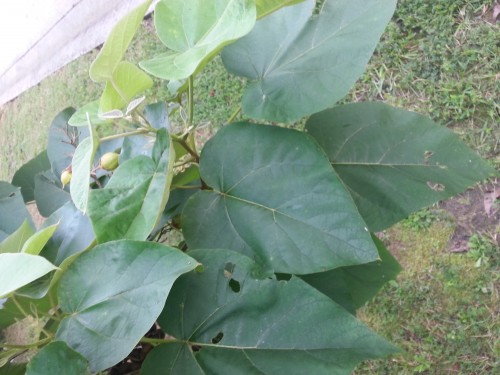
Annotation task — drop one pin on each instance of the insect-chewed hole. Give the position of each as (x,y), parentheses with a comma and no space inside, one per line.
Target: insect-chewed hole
(229,269)
(195,348)
(235,285)
(216,339)
(436,186)
(283,276)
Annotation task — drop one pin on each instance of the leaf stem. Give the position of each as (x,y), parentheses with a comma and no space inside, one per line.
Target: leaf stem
(234,115)
(154,342)
(27,346)
(18,305)
(185,187)
(186,147)
(190,100)
(127,134)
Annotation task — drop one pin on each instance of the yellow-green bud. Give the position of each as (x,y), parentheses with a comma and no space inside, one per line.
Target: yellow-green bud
(109,161)
(65,177)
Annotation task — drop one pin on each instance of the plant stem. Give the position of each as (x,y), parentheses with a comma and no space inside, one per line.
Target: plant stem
(27,346)
(19,307)
(190,100)
(115,136)
(186,147)
(185,187)
(154,342)
(234,115)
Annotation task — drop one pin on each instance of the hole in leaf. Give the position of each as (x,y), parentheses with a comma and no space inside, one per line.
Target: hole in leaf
(216,339)
(195,348)
(228,270)
(234,285)
(283,276)
(427,156)
(435,186)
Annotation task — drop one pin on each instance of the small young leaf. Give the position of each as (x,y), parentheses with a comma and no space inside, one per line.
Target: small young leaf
(18,270)
(117,43)
(14,243)
(196,30)
(107,318)
(82,163)
(79,118)
(127,82)
(36,242)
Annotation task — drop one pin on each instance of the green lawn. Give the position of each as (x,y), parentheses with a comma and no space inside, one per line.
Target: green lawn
(438,57)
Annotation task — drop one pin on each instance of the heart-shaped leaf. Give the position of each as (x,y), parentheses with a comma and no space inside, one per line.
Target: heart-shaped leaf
(63,140)
(300,64)
(113,295)
(25,176)
(195,30)
(14,243)
(394,162)
(57,358)
(49,195)
(13,212)
(18,270)
(89,110)
(73,234)
(226,320)
(277,199)
(117,43)
(134,198)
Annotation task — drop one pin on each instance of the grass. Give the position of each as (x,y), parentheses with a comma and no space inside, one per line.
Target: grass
(440,58)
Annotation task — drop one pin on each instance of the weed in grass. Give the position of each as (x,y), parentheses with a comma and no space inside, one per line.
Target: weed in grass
(483,251)
(441,309)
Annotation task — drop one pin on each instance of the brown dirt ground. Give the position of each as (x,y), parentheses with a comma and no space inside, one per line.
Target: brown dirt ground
(476,210)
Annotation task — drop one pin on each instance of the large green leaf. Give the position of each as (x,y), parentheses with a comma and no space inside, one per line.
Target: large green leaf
(82,163)
(394,162)
(18,270)
(277,199)
(125,84)
(49,194)
(227,320)
(25,176)
(298,65)
(117,43)
(63,140)
(132,202)
(113,295)
(13,212)
(353,286)
(73,234)
(15,242)
(266,7)
(196,30)
(57,358)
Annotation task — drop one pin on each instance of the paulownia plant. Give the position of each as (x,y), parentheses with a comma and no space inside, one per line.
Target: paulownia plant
(250,256)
